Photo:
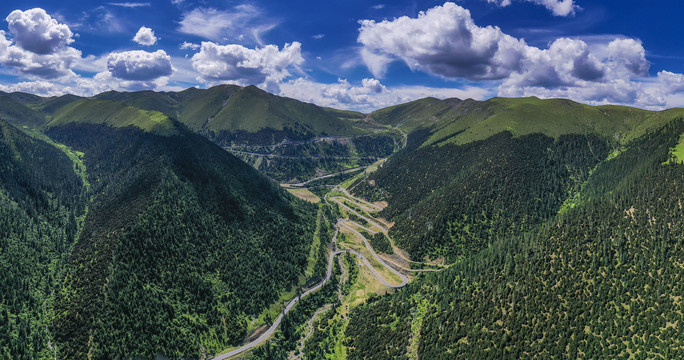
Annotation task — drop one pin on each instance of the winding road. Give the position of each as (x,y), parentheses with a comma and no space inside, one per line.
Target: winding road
(326,176)
(293,302)
(344,191)
(371,222)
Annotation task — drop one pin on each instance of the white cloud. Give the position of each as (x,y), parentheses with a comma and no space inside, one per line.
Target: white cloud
(266,66)
(628,55)
(41,49)
(557,7)
(671,82)
(130,4)
(36,31)
(318,36)
(145,36)
(443,41)
(377,63)
(139,65)
(378,7)
(604,73)
(42,88)
(221,25)
(187,45)
(370,94)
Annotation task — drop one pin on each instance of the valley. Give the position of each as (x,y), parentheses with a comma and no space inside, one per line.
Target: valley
(433,228)
(346,239)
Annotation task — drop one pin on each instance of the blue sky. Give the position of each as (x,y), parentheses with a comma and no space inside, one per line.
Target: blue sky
(351,54)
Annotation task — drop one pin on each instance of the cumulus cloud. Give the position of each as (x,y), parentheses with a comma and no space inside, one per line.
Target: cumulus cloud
(557,7)
(145,36)
(139,65)
(36,31)
(571,68)
(671,82)
(220,25)
(266,65)
(188,45)
(628,55)
(40,46)
(443,41)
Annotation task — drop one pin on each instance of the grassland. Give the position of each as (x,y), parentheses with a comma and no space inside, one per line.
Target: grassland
(114,114)
(677,153)
(303,193)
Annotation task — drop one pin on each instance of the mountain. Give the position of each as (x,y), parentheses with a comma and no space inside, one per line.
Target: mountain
(601,279)
(127,233)
(159,234)
(17,113)
(289,140)
(563,224)
(475,171)
(223,111)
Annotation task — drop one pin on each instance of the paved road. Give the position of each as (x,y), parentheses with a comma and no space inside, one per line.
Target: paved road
(277,156)
(404,279)
(294,301)
(327,176)
(335,199)
(343,190)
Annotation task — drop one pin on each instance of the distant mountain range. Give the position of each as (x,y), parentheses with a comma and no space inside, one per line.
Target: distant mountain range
(244,119)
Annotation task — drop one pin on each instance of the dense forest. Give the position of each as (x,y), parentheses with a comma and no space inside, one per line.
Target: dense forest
(42,201)
(181,238)
(450,201)
(166,245)
(125,233)
(602,279)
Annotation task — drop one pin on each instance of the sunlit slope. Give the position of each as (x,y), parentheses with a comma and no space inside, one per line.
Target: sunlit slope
(461,122)
(230,108)
(115,114)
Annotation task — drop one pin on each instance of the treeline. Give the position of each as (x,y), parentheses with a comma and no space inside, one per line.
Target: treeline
(602,280)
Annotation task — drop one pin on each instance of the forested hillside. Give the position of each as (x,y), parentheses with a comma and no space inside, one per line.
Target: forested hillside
(602,279)
(164,246)
(286,139)
(42,201)
(181,243)
(474,171)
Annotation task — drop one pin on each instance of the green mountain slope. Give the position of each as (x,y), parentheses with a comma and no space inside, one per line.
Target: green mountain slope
(17,113)
(113,114)
(474,171)
(602,280)
(287,139)
(42,201)
(181,238)
(230,108)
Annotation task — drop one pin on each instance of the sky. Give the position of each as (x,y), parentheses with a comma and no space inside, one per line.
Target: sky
(351,54)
